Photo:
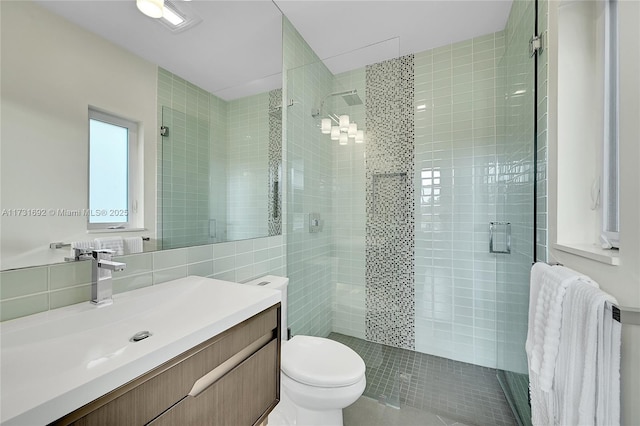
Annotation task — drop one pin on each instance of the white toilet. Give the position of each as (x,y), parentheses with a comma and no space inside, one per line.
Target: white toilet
(319,377)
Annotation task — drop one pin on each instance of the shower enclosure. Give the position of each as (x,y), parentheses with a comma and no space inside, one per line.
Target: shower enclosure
(401,260)
(219,177)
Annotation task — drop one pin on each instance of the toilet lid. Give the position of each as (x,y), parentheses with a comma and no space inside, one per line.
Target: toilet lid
(321,362)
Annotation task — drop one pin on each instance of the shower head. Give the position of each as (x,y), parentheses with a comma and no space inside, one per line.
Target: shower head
(350,97)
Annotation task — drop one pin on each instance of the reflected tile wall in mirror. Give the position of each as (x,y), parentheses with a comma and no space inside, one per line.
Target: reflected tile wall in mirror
(214,169)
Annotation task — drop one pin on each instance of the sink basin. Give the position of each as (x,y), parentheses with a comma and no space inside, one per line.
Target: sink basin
(55,362)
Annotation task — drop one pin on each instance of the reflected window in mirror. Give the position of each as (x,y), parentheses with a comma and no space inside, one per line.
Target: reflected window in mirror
(113,154)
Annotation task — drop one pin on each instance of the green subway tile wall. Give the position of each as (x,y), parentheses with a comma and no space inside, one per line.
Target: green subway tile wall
(24,282)
(248,166)
(308,159)
(455,104)
(215,150)
(183,161)
(32,290)
(542,138)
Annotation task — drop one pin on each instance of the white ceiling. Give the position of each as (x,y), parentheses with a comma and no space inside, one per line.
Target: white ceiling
(236,50)
(337,28)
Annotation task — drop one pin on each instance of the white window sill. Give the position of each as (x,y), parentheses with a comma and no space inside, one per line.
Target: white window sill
(111,231)
(591,251)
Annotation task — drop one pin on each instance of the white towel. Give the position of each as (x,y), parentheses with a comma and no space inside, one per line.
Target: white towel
(112,243)
(574,370)
(608,403)
(548,287)
(547,292)
(587,379)
(132,245)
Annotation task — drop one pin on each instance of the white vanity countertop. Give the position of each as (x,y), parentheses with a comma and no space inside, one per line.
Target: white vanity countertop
(57,361)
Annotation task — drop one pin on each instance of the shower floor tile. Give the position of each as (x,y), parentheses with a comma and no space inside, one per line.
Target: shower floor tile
(368,412)
(463,392)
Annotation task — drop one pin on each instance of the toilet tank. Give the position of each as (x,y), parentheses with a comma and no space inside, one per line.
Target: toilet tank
(276,283)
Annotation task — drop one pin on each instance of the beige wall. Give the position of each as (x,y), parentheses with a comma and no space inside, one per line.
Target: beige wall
(622,281)
(51,72)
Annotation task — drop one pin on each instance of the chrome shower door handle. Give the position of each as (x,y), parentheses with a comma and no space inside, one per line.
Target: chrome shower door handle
(507,234)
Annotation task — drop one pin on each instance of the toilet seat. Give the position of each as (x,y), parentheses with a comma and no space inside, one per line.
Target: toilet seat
(320,362)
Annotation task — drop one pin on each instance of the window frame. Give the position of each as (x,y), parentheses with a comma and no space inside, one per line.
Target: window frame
(610,166)
(132,169)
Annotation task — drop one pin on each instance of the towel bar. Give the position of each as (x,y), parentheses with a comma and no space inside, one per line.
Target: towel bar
(624,315)
(60,244)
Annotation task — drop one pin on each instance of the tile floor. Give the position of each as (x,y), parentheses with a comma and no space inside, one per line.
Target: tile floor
(518,387)
(369,412)
(426,386)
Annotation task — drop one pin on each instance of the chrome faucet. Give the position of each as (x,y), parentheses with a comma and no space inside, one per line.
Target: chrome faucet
(79,254)
(101,280)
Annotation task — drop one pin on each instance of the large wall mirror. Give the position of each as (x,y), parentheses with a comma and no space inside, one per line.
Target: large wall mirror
(204,97)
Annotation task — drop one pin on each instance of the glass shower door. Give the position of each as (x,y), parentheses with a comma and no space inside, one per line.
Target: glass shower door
(185,192)
(328,182)
(515,205)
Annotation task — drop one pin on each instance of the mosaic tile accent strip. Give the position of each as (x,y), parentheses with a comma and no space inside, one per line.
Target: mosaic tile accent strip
(275,162)
(460,391)
(390,292)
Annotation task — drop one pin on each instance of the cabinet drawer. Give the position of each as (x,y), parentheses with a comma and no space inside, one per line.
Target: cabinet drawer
(240,398)
(143,399)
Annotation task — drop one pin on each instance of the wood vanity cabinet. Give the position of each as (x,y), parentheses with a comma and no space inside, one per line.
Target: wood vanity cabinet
(238,383)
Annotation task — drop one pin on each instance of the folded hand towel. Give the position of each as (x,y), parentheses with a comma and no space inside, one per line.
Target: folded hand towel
(132,245)
(112,243)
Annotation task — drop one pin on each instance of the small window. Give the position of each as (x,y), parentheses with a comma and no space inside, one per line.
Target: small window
(113,145)
(587,125)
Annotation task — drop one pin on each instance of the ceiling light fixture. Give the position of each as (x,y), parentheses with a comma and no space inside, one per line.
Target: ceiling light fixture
(176,18)
(344,131)
(344,123)
(335,133)
(151,8)
(172,16)
(326,126)
(353,129)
